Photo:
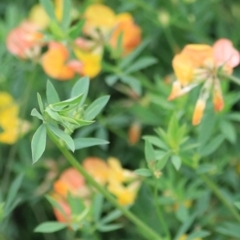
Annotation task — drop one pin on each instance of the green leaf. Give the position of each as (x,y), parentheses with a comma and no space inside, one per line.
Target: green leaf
(198,234)
(66,16)
(12,193)
(81,87)
(76,204)
(38,143)
(67,104)
(145,172)
(229,229)
(95,108)
(206,168)
(212,146)
(173,131)
(176,161)
(35,113)
(115,214)
(56,205)
(156,141)
(49,227)
(75,30)
(64,136)
(133,55)
(149,152)
(111,79)
(182,214)
(142,63)
(49,8)
(110,227)
(163,160)
(97,207)
(88,142)
(228,131)
(40,103)
(237,204)
(52,95)
(132,82)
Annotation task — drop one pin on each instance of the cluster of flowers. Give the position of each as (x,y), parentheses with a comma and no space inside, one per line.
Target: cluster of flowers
(200,63)
(11,126)
(66,57)
(122,183)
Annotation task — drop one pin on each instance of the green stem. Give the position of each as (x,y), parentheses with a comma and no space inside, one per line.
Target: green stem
(148,232)
(221,197)
(159,212)
(232,78)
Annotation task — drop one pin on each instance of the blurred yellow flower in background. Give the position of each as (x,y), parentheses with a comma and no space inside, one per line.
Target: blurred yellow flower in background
(11,126)
(185,236)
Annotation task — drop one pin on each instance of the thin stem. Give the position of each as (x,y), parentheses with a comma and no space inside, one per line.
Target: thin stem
(148,232)
(159,212)
(221,197)
(232,78)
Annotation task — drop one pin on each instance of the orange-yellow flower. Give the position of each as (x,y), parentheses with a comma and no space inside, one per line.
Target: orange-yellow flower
(185,236)
(56,64)
(70,181)
(25,40)
(104,26)
(90,58)
(131,33)
(198,112)
(134,133)
(200,63)
(97,168)
(38,16)
(98,17)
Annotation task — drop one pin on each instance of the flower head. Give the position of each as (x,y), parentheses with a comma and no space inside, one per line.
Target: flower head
(10,124)
(131,33)
(199,63)
(56,63)
(25,40)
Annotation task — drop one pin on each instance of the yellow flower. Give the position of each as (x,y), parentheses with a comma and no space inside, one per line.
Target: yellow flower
(185,236)
(122,182)
(98,16)
(126,195)
(9,121)
(39,16)
(91,62)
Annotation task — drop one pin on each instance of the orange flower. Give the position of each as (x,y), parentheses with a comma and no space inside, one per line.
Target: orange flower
(131,33)
(199,63)
(25,40)
(70,181)
(198,112)
(55,62)
(218,101)
(134,133)
(198,53)
(97,168)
